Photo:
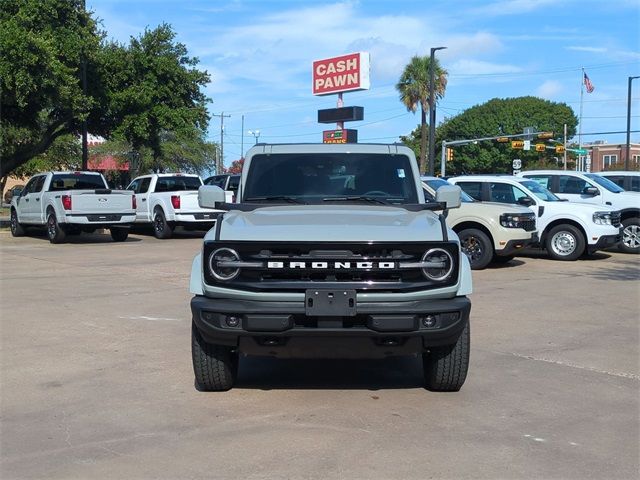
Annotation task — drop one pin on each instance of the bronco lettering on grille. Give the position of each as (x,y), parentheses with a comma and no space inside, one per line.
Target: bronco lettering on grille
(332,265)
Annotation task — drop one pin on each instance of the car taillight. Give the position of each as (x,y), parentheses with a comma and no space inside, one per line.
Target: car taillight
(134,202)
(175,201)
(233,198)
(66,202)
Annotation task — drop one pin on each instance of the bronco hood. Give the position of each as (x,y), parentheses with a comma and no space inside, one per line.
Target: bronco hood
(327,223)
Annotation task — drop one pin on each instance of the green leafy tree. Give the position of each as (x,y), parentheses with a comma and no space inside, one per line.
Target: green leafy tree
(503,117)
(42,45)
(154,100)
(413,87)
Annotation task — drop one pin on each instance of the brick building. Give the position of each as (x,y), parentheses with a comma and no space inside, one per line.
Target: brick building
(611,156)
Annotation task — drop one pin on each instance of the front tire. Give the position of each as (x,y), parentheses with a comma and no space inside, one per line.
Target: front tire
(161,228)
(215,366)
(477,247)
(630,236)
(54,231)
(119,234)
(17,230)
(445,368)
(565,242)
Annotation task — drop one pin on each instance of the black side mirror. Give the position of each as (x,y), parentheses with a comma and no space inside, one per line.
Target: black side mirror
(526,201)
(592,191)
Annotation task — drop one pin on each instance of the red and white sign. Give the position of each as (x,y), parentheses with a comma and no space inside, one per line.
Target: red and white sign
(341,74)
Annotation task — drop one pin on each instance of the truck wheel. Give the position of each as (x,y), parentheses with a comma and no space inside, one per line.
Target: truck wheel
(445,368)
(54,230)
(630,236)
(17,230)
(477,246)
(119,234)
(565,242)
(161,228)
(215,366)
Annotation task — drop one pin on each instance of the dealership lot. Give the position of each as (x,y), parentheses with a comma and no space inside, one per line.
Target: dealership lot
(97,379)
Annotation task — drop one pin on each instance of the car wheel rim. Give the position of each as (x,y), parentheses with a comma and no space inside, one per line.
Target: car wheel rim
(14,222)
(563,243)
(51,227)
(159,224)
(472,248)
(631,236)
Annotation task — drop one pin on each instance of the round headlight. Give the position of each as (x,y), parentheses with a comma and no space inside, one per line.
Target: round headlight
(221,255)
(443,264)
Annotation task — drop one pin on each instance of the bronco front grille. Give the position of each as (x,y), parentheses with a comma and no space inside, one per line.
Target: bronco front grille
(299,266)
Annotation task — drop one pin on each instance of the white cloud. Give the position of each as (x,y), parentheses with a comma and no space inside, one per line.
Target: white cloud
(468,67)
(549,89)
(586,49)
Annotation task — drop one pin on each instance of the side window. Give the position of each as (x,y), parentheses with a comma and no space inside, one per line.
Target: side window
(570,184)
(518,194)
(617,180)
(428,197)
(473,189)
(134,186)
(233,183)
(37,187)
(501,193)
(544,180)
(144,185)
(219,182)
(29,188)
(635,184)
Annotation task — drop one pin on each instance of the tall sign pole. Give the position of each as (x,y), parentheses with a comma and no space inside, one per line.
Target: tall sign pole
(628,145)
(220,162)
(83,74)
(432,111)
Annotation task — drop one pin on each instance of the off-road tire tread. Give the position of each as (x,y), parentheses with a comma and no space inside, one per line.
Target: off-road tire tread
(445,368)
(215,366)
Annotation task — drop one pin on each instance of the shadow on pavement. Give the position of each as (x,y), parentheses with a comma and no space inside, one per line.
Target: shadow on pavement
(78,239)
(266,373)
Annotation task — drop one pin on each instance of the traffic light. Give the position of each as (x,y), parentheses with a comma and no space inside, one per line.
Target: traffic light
(559,148)
(545,135)
(449,154)
(517,144)
(502,139)
(540,147)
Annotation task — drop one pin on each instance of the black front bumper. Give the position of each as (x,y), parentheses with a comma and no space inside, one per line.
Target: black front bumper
(283,329)
(514,246)
(605,241)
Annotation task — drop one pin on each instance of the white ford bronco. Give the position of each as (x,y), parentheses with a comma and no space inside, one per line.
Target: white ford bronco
(330,251)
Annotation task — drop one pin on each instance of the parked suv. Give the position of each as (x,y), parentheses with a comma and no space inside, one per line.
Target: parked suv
(566,229)
(595,189)
(487,231)
(330,251)
(227,182)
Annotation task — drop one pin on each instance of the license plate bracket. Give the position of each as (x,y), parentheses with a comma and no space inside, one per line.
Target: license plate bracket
(330,303)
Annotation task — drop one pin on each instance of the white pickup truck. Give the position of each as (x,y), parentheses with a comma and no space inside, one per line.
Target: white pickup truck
(71,203)
(168,200)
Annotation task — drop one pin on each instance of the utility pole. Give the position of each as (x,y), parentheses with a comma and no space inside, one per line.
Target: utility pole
(220,162)
(83,78)
(627,148)
(565,146)
(242,140)
(431,160)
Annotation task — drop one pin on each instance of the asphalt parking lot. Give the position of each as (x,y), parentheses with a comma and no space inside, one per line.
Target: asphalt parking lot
(97,379)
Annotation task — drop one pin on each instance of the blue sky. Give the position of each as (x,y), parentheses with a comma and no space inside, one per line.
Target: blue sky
(259,55)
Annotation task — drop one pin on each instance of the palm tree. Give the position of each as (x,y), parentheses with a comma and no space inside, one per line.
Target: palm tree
(414,89)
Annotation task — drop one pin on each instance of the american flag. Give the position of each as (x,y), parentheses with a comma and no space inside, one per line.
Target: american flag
(588,85)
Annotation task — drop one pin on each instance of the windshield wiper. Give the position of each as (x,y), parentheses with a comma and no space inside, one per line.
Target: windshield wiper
(357,198)
(283,198)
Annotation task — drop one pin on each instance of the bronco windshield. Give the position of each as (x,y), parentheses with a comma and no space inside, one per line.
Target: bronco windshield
(327,177)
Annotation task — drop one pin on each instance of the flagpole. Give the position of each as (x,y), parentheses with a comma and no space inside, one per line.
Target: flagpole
(579,162)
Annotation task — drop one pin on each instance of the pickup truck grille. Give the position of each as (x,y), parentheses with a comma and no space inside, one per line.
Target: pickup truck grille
(298,266)
(529,225)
